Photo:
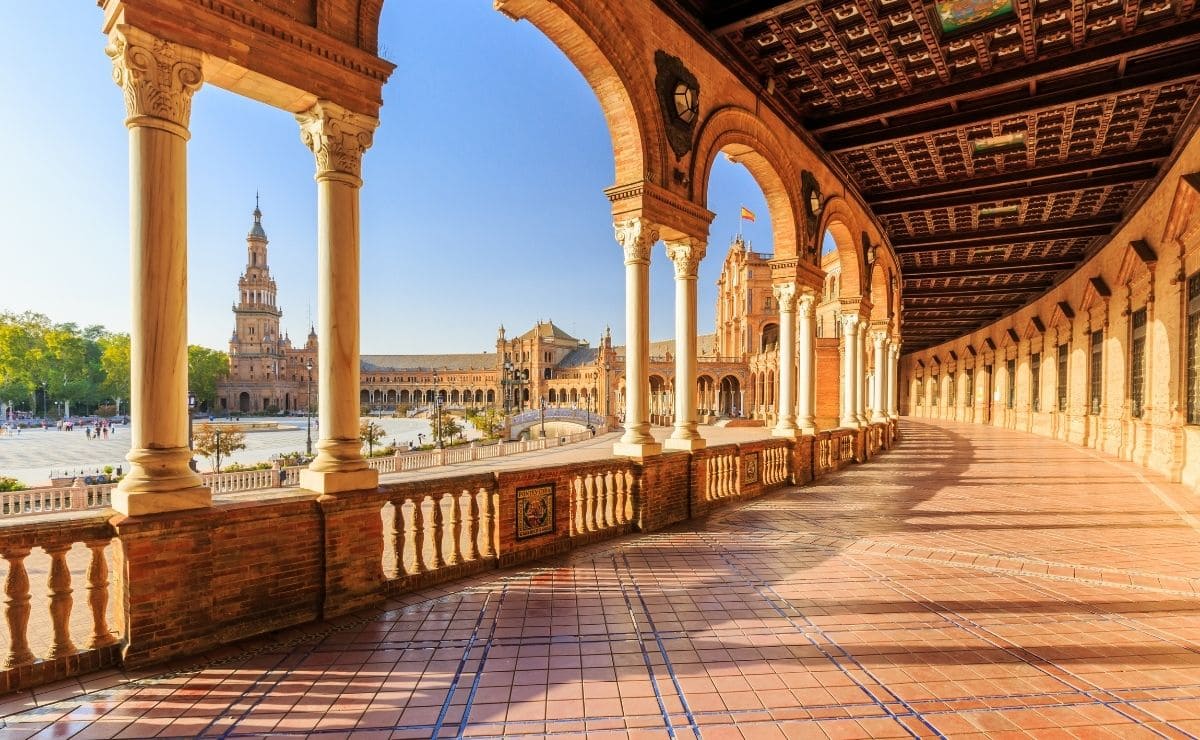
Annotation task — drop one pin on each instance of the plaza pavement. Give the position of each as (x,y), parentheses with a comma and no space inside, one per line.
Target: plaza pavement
(974,582)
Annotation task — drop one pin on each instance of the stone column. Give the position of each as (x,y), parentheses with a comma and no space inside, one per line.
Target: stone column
(850,383)
(636,236)
(785,296)
(893,393)
(158,79)
(686,255)
(878,412)
(337,138)
(806,386)
(860,410)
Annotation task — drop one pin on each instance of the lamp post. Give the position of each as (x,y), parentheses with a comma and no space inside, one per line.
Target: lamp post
(506,385)
(191,445)
(44,412)
(437,409)
(308,422)
(217,445)
(543,407)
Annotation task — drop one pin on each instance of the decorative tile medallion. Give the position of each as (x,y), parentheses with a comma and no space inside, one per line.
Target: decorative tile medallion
(535,511)
(750,469)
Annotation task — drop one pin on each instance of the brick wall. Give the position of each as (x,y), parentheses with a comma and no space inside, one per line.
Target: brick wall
(829,383)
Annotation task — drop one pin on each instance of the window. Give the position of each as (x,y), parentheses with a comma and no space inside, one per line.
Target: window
(1137,363)
(1096,370)
(1193,349)
(917,392)
(1035,381)
(1010,372)
(1062,376)
(953,391)
(970,390)
(931,389)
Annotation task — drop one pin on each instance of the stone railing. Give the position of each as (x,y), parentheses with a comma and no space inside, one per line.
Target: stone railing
(186,589)
(722,478)
(47,500)
(776,462)
(425,533)
(601,501)
(99,495)
(67,634)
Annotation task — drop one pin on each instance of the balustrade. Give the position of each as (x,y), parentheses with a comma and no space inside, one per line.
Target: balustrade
(722,475)
(601,501)
(775,465)
(45,553)
(424,533)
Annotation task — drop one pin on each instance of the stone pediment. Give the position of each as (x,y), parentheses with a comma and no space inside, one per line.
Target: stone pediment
(1138,261)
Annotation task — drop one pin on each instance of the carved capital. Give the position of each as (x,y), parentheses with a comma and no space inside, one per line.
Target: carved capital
(337,138)
(806,305)
(785,295)
(850,323)
(636,236)
(158,78)
(686,255)
(879,338)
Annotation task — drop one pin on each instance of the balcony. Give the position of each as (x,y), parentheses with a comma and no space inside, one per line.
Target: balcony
(270,559)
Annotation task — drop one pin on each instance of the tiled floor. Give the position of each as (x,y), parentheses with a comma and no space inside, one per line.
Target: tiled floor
(973,582)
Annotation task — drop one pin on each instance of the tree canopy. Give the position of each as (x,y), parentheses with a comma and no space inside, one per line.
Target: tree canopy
(42,362)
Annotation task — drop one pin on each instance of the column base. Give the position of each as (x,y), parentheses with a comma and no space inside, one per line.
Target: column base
(848,423)
(141,503)
(637,449)
(808,431)
(791,433)
(692,444)
(339,481)
(880,419)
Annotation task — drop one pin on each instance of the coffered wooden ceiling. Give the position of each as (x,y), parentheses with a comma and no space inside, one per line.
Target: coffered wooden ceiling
(998,141)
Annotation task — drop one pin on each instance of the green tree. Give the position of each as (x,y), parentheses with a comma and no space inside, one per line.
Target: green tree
(217,441)
(450,428)
(205,367)
(489,421)
(115,367)
(370,433)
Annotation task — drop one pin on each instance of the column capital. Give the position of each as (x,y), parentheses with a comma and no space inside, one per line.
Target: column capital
(785,294)
(686,254)
(850,322)
(806,304)
(879,338)
(636,236)
(337,138)
(158,77)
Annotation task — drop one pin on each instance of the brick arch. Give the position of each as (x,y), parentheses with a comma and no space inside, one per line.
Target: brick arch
(839,219)
(885,301)
(604,50)
(751,142)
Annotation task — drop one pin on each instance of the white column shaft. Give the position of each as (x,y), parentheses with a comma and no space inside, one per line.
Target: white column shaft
(806,388)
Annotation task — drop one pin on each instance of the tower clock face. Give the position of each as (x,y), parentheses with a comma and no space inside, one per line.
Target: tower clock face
(686,102)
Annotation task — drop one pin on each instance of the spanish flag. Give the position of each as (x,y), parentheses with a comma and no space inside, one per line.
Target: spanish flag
(747,214)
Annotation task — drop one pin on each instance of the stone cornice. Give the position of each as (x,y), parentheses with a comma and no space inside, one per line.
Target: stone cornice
(676,216)
(256,38)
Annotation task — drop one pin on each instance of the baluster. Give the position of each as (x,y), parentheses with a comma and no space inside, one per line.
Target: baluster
(709,478)
(59,584)
(393,538)
(495,529)
(418,536)
(590,514)
(454,526)
(610,500)
(97,580)
(472,527)
(439,535)
(16,607)
(576,505)
(618,479)
(627,485)
(723,476)
(485,524)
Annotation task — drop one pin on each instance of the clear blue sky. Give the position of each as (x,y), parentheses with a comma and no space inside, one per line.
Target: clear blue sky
(483,201)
